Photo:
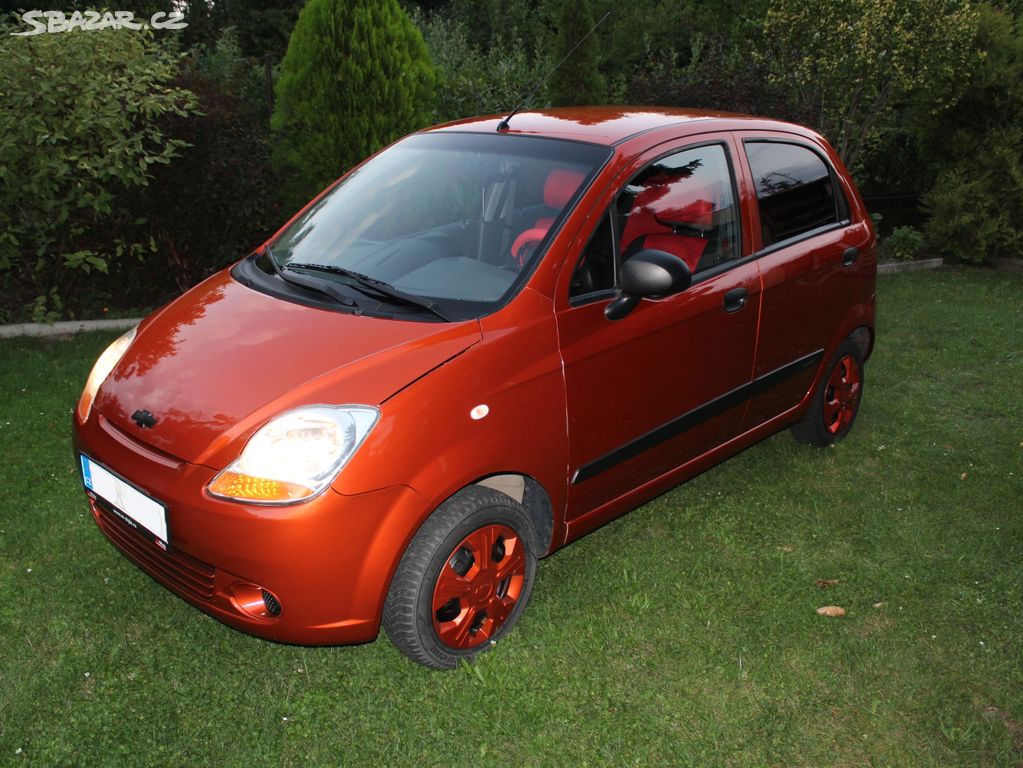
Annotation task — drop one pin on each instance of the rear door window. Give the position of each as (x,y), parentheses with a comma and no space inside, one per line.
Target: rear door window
(796,190)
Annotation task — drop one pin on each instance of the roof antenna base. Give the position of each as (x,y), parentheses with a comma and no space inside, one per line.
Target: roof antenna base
(503,127)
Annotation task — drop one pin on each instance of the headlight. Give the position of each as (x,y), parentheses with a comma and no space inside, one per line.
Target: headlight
(104,365)
(296,455)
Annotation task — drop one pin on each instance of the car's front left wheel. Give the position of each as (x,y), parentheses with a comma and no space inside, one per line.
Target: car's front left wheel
(464,579)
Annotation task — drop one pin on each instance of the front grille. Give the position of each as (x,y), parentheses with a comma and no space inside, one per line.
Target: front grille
(191,576)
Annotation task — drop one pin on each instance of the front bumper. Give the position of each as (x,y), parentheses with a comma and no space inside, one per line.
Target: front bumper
(328,562)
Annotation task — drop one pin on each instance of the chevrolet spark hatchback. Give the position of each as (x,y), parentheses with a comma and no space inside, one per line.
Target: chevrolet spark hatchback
(474,348)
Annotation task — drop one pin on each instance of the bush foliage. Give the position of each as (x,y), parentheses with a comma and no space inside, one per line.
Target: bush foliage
(864,57)
(215,202)
(473,79)
(715,74)
(80,124)
(133,165)
(357,75)
(903,244)
(976,204)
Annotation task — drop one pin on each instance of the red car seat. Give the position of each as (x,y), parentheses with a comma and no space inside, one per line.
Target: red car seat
(557,191)
(670,215)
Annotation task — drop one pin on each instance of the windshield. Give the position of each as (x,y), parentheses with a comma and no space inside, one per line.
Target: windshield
(454,219)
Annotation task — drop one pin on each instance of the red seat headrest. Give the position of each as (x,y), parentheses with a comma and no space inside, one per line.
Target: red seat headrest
(560,186)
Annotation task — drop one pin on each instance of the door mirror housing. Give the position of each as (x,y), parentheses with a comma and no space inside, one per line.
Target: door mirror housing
(648,274)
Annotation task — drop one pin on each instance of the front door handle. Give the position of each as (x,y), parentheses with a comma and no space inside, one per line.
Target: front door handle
(849,255)
(736,299)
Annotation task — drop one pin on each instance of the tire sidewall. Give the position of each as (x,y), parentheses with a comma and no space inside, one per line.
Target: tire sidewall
(846,349)
(492,514)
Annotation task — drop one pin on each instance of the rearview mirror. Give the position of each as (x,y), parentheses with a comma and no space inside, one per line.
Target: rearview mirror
(648,274)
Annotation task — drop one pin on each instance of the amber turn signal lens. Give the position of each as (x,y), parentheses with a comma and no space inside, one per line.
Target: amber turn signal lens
(295,455)
(248,488)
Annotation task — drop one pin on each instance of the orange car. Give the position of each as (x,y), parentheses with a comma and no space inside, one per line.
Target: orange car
(482,343)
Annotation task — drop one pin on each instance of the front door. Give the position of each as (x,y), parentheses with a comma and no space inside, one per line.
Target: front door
(649,392)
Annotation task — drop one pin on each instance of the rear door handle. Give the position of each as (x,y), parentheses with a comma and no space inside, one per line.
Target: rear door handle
(849,255)
(736,299)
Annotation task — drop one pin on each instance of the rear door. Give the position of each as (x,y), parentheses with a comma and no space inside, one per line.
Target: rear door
(645,392)
(808,251)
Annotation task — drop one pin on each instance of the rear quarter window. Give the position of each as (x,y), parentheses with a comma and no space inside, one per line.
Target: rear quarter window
(797,192)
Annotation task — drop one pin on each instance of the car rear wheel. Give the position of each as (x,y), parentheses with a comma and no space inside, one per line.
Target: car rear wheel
(463,581)
(837,401)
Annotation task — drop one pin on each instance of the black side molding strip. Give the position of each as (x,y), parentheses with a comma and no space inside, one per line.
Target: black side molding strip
(692,418)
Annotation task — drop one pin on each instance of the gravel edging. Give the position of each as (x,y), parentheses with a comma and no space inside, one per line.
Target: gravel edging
(892,267)
(65,327)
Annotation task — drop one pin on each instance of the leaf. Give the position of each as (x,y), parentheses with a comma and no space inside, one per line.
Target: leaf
(834,611)
(825,583)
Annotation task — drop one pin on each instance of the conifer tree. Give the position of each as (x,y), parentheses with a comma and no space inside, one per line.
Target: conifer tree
(357,75)
(578,80)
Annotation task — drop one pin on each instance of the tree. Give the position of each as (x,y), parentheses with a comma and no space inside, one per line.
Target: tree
(578,80)
(357,75)
(857,59)
(975,206)
(79,124)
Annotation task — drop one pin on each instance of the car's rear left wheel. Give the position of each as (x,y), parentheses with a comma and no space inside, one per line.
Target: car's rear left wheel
(837,400)
(464,579)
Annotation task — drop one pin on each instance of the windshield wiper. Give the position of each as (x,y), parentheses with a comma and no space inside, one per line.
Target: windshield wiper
(378,287)
(310,283)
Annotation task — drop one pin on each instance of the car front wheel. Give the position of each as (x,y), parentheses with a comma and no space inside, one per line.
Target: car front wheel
(464,579)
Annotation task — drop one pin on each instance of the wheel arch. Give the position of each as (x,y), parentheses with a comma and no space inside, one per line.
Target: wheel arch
(863,338)
(533,497)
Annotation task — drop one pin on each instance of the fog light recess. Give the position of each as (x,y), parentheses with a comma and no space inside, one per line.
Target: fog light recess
(255,602)
(271,603)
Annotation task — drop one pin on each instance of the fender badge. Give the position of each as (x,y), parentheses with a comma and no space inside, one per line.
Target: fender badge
(144,419)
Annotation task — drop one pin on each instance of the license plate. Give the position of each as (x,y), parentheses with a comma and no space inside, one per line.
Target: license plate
(134,507)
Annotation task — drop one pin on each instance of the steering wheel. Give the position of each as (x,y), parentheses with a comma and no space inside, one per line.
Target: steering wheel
(521,247)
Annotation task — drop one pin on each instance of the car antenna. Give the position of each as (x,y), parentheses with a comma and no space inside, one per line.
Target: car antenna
(503,125)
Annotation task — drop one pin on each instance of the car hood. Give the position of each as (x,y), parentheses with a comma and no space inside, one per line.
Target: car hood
(217,363)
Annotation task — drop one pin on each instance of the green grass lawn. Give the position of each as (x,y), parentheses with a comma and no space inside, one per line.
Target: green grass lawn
(683,634)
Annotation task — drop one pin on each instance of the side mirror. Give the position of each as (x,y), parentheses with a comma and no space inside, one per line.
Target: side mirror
(648,274)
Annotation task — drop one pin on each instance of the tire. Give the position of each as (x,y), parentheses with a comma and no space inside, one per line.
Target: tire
(464,579)
(837,401)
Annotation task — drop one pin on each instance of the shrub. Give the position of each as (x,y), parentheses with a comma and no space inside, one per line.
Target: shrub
(976,203)
(473,80)
(262,26)
(210,206)
(865,57)
(79,123)
(903,244)
(490,24)
(719,74)
(976,207)
(357,75)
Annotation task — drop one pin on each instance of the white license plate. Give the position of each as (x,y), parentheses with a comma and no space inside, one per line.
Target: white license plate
(130,502)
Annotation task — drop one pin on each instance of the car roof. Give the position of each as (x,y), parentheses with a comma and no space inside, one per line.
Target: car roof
(613,125)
